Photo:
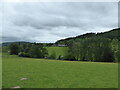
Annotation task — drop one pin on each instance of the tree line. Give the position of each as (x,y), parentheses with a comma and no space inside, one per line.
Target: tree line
(28,50)
(97,49)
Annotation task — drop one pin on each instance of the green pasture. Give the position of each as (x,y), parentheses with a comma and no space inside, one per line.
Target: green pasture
(58,51)
(45,73)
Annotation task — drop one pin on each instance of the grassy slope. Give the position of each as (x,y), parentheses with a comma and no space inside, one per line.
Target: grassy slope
(58,50)
(43,73)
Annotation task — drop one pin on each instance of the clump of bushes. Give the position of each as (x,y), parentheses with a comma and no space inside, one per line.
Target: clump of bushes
(69,57)
(23,54)
(29,50)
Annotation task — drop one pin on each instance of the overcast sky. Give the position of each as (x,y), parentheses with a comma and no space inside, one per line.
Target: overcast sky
(49,22)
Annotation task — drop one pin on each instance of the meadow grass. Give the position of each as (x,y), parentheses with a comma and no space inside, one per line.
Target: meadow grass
(45,73)
(58,51)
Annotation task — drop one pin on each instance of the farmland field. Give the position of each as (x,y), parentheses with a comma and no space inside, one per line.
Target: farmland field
(57,50)
(45,73)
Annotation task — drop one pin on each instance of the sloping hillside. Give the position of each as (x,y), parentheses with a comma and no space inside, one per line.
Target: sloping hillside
(112,34)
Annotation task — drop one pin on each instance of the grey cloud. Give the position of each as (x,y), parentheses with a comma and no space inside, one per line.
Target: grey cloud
(10,39)
(76,17)
(48,22)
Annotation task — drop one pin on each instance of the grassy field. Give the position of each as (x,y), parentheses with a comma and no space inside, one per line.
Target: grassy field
(57,50)
(44,73)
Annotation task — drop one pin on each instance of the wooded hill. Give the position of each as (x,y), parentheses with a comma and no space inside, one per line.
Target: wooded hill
(112,34)
(98,47)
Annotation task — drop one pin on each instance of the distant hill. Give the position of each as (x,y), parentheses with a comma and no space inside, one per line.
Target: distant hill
(112,34)
(23,42)
(8,43)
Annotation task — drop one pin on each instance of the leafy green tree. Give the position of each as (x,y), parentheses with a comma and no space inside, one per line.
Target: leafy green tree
(37,51)
(103,50)
(69,56)
(74,51)
(115,45)
(14,49)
